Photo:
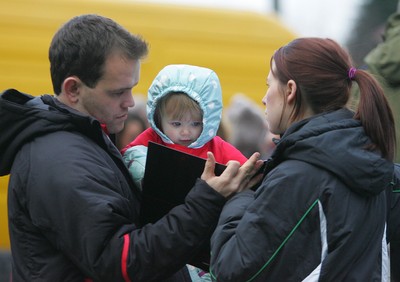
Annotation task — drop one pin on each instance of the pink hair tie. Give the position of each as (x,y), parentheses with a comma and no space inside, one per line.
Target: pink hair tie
(352,73)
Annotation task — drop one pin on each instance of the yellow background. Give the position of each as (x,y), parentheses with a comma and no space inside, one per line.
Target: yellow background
(236,45)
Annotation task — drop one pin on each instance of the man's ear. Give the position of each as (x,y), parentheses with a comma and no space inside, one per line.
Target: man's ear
(291,88)
(71,88)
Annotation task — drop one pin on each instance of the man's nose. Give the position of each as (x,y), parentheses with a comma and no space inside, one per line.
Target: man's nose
(130,101)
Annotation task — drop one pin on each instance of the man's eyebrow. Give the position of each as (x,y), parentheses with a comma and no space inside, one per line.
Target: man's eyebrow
(123,89)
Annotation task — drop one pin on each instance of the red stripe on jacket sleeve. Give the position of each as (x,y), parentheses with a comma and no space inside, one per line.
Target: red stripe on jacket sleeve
(124,258)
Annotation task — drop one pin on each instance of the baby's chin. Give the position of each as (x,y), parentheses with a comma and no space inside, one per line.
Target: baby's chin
(184,143)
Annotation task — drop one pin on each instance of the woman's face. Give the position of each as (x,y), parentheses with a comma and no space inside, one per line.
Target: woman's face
(274,103)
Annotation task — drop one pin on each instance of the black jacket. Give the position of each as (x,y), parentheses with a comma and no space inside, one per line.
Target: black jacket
(320,213)
(394,228)
(73,208)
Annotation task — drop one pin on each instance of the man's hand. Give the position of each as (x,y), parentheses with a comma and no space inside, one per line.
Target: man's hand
(235,178)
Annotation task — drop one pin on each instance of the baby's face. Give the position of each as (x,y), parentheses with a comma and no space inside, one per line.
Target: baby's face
(183,131)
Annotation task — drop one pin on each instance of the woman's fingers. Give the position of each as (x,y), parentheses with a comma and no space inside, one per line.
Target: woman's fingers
(248,170)
(235,178)
(209,168)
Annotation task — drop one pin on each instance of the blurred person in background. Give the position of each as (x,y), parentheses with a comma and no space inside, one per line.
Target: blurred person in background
(133,126)
(248,129)
(384,62)
(140,107)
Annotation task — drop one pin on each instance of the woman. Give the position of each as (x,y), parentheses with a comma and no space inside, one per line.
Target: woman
(320,212)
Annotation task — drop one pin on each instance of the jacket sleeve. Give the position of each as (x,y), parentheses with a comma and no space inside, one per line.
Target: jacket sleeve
(236,244)
(231,215)
(252,228)
(135,160)
(177,238)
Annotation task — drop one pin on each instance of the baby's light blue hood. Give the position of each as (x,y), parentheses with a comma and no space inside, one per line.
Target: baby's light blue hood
(200,84)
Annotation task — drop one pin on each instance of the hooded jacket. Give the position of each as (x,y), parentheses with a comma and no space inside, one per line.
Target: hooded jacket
(200,84)
(319,215)
(384,62)
(73,207)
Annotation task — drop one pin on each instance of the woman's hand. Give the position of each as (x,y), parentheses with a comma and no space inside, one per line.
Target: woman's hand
(235,178)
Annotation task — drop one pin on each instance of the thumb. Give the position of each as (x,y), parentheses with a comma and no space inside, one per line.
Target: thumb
(209,167)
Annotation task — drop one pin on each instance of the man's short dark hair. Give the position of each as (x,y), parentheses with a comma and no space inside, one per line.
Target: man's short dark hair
(81,46)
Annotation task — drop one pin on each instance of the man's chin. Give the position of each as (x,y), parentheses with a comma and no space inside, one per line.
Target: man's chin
(114,129)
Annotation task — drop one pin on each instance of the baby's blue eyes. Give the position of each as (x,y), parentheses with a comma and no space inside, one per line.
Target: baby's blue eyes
(176,124)
(195,123)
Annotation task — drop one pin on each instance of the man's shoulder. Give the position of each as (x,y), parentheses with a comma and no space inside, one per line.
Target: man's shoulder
(63,142)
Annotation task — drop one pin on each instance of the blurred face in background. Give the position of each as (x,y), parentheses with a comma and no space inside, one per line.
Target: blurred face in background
(134,125)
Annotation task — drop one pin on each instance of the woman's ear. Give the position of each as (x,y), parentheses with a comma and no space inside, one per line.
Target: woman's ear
(291,88)
(70,89)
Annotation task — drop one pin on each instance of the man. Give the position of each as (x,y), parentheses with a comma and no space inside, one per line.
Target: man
(73,208)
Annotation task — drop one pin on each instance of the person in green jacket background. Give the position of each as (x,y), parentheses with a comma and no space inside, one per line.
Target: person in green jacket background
(384,62)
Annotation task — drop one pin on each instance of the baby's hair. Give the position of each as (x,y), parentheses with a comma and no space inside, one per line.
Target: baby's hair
(175,105)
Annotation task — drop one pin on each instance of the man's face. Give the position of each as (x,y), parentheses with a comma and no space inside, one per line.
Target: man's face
(109,101)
